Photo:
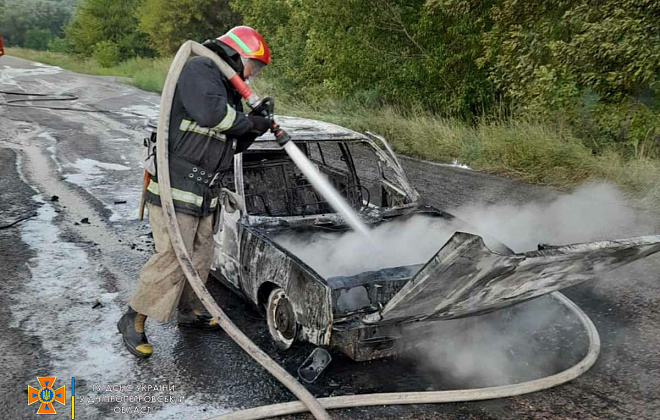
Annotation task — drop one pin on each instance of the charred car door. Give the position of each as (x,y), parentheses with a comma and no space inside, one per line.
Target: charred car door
(226,259)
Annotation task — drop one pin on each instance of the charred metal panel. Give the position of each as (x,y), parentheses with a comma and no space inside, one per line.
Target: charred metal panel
(263,261)
(390,160)
(226,260)
(379,287)
(465,278)
(311,130)
(369,342)
(226,256)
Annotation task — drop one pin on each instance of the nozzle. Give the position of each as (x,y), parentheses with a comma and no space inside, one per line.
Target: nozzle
(282,137)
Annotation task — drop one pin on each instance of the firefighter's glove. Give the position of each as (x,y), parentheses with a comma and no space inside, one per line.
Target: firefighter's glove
(259,124)
(264,108)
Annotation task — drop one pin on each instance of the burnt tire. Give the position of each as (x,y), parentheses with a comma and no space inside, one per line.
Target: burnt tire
(281,319)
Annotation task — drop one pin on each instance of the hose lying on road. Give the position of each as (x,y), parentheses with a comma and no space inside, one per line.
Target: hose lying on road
(15,222)
(195,281)
(435,397)
(29,98)
(37,97)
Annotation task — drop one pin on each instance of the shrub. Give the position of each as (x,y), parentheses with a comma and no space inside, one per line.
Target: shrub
(170,23)
(37,39)
(106,53)
(96,21)
(59,45)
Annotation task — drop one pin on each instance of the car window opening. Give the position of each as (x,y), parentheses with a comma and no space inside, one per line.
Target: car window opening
(275,187)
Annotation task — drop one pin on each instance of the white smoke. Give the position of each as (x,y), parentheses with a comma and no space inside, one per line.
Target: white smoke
(592,212)
(398,243)
(523,342)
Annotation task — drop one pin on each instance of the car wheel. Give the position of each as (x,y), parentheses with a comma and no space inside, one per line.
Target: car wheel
(281,318)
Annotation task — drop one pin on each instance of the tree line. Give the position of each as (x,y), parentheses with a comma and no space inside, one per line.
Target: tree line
(34,23)
(591,63)
(112,30)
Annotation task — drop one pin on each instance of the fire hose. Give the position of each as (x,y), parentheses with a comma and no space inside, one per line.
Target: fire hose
(307,402)
(437,397)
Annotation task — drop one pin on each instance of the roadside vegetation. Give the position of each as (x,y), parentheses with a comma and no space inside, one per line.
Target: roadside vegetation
(550,92)
(146,73)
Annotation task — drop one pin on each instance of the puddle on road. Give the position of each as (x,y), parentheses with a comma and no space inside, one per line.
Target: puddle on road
(148,111)
(8,74)
(56,306)
(94,176)
(90,173)
(93,167)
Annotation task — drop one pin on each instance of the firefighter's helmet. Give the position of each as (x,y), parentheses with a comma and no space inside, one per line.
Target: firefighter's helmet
(248,43)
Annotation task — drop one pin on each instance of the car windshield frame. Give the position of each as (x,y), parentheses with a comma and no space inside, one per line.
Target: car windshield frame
(386,158)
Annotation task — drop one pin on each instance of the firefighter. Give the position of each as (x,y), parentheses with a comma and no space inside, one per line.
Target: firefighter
(207,127)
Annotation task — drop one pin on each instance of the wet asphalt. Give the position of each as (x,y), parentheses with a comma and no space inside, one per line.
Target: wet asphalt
(68,270)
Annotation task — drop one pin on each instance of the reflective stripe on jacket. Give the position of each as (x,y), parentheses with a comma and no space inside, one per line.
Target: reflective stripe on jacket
(182,196)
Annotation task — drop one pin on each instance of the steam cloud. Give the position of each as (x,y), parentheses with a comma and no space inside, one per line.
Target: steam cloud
(593,212)
(533,339)
(510,345)
(399,243)
(524,342)
(590,213)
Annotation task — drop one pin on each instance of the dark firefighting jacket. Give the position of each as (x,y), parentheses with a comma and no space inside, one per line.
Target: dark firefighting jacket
(207,127)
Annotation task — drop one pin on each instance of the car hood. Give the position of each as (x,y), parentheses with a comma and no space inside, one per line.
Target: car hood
(465,278)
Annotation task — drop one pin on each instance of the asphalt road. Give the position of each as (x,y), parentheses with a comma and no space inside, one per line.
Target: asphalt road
(68,270)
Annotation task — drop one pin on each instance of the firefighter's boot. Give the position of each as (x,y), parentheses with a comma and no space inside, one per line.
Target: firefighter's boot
(131,327)
(197,319)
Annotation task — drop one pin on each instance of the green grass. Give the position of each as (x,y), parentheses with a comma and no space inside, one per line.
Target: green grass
(533,151)
(538,152)
(145,73)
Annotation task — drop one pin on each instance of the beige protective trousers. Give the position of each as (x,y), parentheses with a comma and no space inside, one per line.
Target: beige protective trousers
(163,287)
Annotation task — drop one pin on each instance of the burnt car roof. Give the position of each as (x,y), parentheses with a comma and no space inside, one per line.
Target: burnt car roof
(301,129)
(305,129)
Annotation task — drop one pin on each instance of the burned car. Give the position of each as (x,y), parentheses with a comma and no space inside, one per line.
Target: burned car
(288,254)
